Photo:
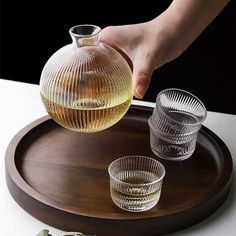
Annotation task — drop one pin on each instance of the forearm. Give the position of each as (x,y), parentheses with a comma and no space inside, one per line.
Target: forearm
(177,27)
(193,16)
(151,44)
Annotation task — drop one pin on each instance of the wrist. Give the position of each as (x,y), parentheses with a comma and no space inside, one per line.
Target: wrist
(170,36)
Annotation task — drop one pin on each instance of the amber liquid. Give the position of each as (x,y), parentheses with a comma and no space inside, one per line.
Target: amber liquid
(91,119)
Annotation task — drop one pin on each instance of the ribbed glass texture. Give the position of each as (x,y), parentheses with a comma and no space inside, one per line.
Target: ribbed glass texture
(174,124)
(178,112)
(135,182)
(172,147)
(86,86)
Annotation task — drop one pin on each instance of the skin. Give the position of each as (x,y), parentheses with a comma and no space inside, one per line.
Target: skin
(151,44)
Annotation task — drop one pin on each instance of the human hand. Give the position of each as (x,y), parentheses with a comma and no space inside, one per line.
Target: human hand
(152,44)
(148,46)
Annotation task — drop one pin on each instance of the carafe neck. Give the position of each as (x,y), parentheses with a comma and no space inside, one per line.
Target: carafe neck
(85,35)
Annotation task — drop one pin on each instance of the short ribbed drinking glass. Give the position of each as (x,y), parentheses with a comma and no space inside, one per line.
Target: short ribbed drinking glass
(174,124)
(136,182)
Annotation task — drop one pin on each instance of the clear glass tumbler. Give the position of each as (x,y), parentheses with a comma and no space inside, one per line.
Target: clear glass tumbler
(174,124)
(135,182)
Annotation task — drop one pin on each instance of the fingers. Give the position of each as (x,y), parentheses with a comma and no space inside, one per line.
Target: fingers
(136,50)
(116,38)
(142,75)
(108,36)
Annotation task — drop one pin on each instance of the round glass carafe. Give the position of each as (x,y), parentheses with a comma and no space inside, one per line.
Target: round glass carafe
(86,86)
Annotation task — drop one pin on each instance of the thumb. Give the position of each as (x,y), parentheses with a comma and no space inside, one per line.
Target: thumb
(142,74)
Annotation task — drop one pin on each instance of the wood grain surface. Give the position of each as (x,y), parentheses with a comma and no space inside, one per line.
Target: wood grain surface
(60,177)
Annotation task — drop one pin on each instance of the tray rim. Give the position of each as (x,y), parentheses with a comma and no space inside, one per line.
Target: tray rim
(18,180)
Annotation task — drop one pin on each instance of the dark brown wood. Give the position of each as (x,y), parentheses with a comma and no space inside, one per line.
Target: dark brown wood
(60,177)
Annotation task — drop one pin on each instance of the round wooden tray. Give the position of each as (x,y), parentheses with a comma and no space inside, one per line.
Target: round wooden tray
(61,178)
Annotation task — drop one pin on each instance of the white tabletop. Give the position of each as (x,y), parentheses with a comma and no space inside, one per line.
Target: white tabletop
(20,104)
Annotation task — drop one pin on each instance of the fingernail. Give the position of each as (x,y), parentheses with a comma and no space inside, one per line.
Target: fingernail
(139,91)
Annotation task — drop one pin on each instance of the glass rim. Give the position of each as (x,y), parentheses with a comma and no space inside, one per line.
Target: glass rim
(186,92)
(95,32)
(133,184)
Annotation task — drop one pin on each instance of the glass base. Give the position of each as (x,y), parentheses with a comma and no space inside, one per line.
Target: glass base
(136,207)
(171,158)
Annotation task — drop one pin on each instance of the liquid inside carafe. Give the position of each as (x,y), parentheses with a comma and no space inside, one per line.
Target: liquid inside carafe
(93,118)
(86,86)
